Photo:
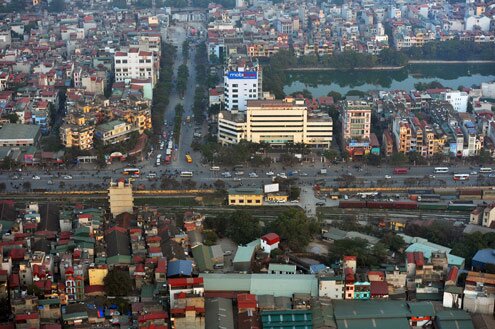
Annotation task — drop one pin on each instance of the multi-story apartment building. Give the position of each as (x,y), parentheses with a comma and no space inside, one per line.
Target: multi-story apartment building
(276,122)
(80,137)
(114,132)
(356,126)
(243,81)
(135,64)
(458,100)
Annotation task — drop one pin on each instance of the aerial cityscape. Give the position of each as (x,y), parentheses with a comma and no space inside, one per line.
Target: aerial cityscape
(247,164)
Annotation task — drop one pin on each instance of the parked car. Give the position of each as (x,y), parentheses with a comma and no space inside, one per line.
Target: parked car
(270,173)
(35,177)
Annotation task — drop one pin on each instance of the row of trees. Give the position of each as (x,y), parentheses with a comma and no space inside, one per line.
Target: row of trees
(293,226)
(182,76)
(179,111)
(162,90)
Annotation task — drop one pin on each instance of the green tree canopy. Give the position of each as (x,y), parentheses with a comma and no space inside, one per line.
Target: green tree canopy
(242,227)
(295,228)
(117,283)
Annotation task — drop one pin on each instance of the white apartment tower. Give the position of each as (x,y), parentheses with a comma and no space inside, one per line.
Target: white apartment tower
(135,64)
(242,82)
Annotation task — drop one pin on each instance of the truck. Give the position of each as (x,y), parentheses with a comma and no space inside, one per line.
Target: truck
(323,171)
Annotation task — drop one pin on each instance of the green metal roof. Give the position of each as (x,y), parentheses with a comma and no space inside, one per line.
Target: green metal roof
(391,323)
(262,284)
(109,125)
(147,291)
(244,254)
(281,267)
(119,259)
(202,257)
(50,301)
(358,309)
(421,308)
(245,191)
(14,131)
(454,319)
(287,319)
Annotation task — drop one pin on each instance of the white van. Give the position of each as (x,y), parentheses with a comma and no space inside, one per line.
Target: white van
(215,168)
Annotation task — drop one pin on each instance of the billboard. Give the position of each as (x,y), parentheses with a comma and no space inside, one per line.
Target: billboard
(242,75)
(357,144)
(270,188)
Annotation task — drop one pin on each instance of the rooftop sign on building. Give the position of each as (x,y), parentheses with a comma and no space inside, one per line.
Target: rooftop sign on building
(242,75)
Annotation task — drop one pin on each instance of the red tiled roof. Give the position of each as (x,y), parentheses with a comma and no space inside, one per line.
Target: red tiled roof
(246,301)
(178,282)
(26,316)
(17,253)
(153,316)
(271,238)
(379,288)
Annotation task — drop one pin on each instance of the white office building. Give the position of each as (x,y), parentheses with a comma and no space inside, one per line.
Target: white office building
(136,64)
(458,100)
(242,82)
(276,122)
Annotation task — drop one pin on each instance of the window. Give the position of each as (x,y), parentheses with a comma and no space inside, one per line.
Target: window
(258,201)
(235,85)
(148,61)
(241,201)
(141,61)
(249,201)
(117,61)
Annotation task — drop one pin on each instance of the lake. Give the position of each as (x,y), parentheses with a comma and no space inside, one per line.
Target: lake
(319,83)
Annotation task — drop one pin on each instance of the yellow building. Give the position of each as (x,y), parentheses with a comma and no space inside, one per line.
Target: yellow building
(120,198)
(276,122)
(114,132)
(96,276)
(277,197)
(80,137)
(245,197)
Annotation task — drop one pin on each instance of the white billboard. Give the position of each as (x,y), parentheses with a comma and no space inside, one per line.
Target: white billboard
(270,188)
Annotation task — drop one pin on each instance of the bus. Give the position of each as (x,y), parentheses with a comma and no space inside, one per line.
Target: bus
(400,171)
(133,172)
(486,170)
(188,158)
(461,177)
(441,170)
(186,174)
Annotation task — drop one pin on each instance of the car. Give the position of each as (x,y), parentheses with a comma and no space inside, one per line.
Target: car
(253,175)
(282,175)
(474,173)
(294,201)
(270,173)
(432,176)
(50,182)
(320,204)
(227,253)
(388,177)
(15,177)
(237,179)
(491,175)
(36,177)
(67,177)
(303,174)
(226,174)
(239,173)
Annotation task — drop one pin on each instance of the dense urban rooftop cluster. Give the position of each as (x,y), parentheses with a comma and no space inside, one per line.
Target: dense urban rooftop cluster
(326,28)
(78,266)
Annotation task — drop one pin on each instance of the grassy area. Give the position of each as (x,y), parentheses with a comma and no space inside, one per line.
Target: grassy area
(167,202)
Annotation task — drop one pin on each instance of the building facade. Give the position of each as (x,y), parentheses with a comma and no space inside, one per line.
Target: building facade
(243,81)
(135,64)
(276,122)
(356,126)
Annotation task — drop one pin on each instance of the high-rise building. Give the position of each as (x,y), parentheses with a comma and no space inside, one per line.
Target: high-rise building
(243,81)
(356,126)
(136,64)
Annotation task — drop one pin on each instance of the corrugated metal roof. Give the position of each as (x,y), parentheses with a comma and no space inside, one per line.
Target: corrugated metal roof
(244,254)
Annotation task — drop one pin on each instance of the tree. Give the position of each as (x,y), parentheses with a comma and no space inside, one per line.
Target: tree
(219,184)
(4,309)
(398,159)
(117,283)
(294,193)
(26,186)
(366,256)
(242,227)
(2,187)
(331,154)
(336,96)
(394,242)
(295,228)
(12,117)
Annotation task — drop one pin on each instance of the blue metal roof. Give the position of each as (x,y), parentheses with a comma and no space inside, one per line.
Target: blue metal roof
(179,267)
(486,256)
